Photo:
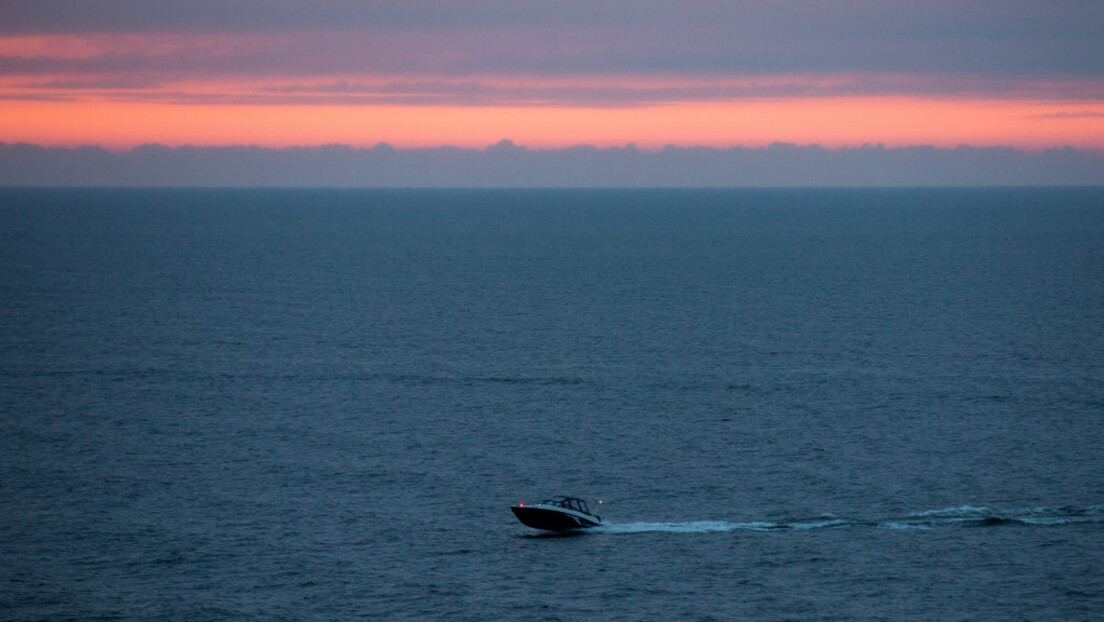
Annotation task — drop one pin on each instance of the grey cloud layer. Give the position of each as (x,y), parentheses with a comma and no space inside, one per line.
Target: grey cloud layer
(1060,38)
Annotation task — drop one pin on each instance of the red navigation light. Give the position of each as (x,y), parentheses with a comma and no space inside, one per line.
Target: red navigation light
(521,505)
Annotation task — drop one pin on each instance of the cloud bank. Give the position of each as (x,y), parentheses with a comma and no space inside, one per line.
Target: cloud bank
(1018,36)
(504,52)
(431,72)
(508,165)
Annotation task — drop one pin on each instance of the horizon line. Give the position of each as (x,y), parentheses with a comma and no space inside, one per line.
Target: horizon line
(506,164)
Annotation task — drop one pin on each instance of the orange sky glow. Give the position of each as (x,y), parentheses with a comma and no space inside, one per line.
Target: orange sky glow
(832,122)
(120,90)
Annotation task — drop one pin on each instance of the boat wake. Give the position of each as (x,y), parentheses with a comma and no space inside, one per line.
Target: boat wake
(963,516)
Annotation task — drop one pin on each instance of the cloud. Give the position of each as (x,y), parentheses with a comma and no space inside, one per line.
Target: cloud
(621,91)
(346,68)
(1010,37)
(1087,114)
(512,58)
(506,164)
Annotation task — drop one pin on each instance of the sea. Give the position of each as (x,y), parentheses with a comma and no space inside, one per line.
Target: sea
(316,404)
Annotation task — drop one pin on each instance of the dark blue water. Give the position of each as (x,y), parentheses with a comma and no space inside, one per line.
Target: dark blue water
(807,404)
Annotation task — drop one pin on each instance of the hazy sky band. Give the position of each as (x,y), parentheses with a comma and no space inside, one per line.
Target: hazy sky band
(508,165)
(1057,38)
(832,122)
(620,55)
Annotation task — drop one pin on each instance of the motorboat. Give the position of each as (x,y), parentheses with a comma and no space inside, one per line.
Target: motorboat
(557,514)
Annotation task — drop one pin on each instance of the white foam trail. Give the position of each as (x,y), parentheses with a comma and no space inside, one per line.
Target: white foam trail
(926,520)
(899,525)
(713,526)
(686,527)
(1052,521)
(962,511)
(835,522)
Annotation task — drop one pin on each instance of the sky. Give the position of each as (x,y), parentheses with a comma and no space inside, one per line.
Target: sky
(552,75)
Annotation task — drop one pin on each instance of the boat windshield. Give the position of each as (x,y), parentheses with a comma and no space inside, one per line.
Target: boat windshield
(570,503)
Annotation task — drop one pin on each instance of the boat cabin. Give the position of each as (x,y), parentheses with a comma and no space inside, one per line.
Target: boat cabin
(570,503)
